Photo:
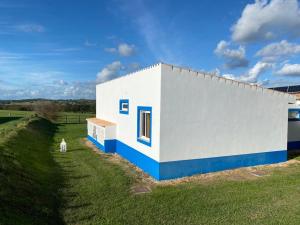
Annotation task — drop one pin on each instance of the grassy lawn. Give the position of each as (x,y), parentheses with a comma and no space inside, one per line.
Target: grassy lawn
(10,120)
(7,113)
(82,187)
(97,191)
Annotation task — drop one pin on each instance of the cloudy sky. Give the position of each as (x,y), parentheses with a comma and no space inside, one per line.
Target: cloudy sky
(61,49)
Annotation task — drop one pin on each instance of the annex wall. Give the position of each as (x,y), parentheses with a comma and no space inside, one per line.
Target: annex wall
(294,128)
(142,88)
(204,116)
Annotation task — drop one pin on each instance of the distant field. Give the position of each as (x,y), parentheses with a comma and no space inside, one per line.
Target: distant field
(64,117)
(13,113)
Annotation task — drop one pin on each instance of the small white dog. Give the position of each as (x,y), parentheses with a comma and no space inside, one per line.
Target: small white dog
(63,146)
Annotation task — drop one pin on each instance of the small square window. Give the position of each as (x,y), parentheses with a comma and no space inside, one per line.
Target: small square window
(124,106)
(144,125)
(294,114)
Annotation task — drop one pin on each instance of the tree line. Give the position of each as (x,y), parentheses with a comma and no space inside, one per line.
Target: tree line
(81,105)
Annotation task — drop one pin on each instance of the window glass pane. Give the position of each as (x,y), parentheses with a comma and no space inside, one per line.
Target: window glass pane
(147,130)
(142,123)
(294,115)
(125,106)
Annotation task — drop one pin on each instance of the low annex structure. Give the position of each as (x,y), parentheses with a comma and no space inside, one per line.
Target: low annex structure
(173,122)
(294,116)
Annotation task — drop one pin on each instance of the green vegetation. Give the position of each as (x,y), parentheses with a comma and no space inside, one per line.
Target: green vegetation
(29,176)
(73,117)
(80,105)
(99,192)
(44,186)
(10,120)
(15,113)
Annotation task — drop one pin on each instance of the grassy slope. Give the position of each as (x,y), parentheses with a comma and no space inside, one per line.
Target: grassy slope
(10,120)
(98,192)
(29,176)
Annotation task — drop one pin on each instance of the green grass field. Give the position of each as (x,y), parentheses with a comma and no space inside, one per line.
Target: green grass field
(10,120)
(44,186)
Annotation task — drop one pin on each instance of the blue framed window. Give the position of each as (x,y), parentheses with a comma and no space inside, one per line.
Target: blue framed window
(124,106)
(294,114)
(144,124)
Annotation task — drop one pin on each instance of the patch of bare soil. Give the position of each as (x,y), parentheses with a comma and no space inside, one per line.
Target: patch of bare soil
(144,183)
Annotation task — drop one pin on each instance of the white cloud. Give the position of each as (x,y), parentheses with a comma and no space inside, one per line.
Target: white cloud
(229,76)
(110,50)
(73,90)
(87,43)
(30,28)
(255,71)
(66,49)
(133,67)
(264,82)
(233,57)
(265,20)
(277,50)
(253,74)
(109,72)
(290,70)
(9,56)
(157,35)
(126,50)
(60,82)
(123,49)
(79,90)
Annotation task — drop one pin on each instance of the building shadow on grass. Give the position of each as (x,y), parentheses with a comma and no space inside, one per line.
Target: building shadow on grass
(30,177)
(292,154)
(78,206)
(8,119)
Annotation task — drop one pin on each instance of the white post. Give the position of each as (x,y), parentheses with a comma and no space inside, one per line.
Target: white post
(63,146)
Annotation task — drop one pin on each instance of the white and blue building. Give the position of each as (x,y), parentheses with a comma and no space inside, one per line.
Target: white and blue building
(173,122)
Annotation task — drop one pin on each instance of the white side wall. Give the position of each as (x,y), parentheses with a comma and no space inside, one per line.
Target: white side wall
(142,88)
(204,116)
(99,135)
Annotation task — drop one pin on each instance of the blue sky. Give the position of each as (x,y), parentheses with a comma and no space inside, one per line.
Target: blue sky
(61,49)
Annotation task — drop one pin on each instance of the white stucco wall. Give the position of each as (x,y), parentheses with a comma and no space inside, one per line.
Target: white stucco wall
(204,116)
(142,88)
(99,135)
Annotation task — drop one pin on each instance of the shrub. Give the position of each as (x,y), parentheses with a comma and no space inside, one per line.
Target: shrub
(48,110)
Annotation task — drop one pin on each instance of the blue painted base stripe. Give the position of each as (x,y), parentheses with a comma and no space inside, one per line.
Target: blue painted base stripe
(144,162)
(95,142)
(292,145)
(177,169)
(182,168)
(108,147)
